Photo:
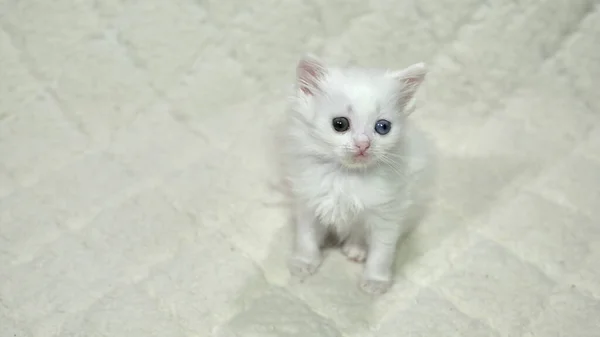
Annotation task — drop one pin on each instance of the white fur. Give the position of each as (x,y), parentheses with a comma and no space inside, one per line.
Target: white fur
(364,203)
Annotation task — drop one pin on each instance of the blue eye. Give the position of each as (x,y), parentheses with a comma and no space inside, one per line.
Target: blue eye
(382,127)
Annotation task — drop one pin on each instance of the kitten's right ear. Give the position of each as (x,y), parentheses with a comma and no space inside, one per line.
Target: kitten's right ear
(309,73)
(411,79)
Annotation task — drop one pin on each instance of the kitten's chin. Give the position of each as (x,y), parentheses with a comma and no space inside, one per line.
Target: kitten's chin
(354,162)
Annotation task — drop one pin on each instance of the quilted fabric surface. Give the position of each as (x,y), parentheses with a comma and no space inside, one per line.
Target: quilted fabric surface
(135,168)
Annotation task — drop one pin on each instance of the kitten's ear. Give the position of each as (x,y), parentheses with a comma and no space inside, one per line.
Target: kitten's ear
(411,79)
(309,73)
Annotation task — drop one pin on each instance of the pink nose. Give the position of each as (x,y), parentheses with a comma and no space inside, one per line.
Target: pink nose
(362,146)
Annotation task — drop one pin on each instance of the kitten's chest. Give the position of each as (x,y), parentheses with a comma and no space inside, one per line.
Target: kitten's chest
(341,199)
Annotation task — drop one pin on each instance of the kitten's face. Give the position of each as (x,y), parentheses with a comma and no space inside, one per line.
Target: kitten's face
(357,131)
(355,117)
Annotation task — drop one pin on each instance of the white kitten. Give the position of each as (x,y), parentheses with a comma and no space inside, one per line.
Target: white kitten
(349,164)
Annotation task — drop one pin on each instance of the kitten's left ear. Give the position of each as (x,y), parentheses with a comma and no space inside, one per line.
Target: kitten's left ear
(411,79)
(309,72)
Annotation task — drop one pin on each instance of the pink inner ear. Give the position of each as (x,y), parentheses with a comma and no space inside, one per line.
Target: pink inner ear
(411,80)
(411,84)
(306,90)
(309,74)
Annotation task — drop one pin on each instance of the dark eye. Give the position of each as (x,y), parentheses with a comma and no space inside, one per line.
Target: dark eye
(382,127)
(340,124)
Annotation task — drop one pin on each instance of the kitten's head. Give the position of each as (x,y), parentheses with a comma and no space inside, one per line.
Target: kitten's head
(354,117)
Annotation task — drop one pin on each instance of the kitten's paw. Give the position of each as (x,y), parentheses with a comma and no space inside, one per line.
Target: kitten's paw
(303,267)
(354,252)
(375,287)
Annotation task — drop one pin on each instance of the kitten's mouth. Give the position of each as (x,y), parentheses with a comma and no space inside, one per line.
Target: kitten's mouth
(358,160)
(361,156)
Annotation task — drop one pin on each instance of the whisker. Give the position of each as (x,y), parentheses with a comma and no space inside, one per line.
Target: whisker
(394,167)
(394,155)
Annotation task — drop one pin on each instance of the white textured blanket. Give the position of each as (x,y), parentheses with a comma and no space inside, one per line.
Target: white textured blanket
(135,195)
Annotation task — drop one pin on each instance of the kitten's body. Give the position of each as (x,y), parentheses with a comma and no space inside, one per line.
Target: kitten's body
(340,197)
(360,194)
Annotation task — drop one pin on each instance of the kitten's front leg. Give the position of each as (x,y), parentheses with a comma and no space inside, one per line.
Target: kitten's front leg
(383,238)
(355,246)
(310,235)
